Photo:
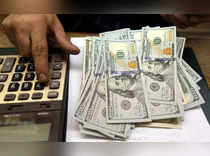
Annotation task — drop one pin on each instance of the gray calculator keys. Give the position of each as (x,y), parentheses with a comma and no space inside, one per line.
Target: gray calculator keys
(37,95)
(8,64)
(3,78)
(57,66)
(9,97)
(13,87)
(56,75)
(53,94)
(23,96)
(54,84)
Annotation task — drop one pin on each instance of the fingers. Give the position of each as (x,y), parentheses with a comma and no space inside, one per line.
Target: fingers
(184,21)
(23,44)
(179,20)
(17,35)
(63,39)
(40,52)
(9,31)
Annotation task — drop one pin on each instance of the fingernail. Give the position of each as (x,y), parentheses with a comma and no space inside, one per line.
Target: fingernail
(42,77)
(76,49)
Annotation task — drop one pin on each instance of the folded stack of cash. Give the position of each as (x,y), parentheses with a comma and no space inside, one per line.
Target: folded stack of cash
(135,78)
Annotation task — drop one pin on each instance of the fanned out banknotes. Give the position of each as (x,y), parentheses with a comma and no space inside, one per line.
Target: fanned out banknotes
(135,78)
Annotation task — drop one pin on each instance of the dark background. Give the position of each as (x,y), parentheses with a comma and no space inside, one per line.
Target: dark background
(100,23)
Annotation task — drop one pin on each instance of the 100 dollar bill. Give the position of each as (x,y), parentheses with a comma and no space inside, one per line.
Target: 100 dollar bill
(126,100)
(192,97)
(159,43)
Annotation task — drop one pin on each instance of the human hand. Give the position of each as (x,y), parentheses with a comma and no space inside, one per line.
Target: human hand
(29,32)
(184,21)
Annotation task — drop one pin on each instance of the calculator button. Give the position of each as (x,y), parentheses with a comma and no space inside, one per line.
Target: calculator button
(31,68)
(1,60)
(9,97)
(1,87)
(29,76)
(54,84)
(56,75)
(17,77)
(57,66)
(3,78)
(53,94)
(8,64)
(37,96)
(23,96)
(20,68)
(23,60)
(39,86)
(13,87)
(26,86)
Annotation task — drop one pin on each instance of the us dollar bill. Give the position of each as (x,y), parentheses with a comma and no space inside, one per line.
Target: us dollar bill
(121,34)
(87,92)
(158,43)
(96,114)
(91,132)
(80,109)
(87,51)
(161,86)
(191,95)
(194,76)
(173,123)
(135,34)
(180,43)
(126,100)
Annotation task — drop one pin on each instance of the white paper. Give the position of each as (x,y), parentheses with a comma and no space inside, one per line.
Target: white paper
(195,127)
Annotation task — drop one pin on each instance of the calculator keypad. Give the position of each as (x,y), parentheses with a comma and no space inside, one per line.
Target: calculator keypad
(18,80)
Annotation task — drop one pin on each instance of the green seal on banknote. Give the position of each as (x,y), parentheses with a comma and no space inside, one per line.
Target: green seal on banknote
(120,54)
(157,40)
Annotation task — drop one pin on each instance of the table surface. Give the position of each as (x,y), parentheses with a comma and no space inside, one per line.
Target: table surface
(200,45)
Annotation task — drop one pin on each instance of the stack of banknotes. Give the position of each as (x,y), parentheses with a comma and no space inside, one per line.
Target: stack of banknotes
(135,78)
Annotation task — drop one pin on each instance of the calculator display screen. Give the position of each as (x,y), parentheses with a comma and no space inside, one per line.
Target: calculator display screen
(25,127)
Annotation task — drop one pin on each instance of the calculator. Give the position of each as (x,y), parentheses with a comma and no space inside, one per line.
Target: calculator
(21,94)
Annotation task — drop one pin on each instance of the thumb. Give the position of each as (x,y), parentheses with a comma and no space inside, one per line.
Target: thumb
(63,40)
